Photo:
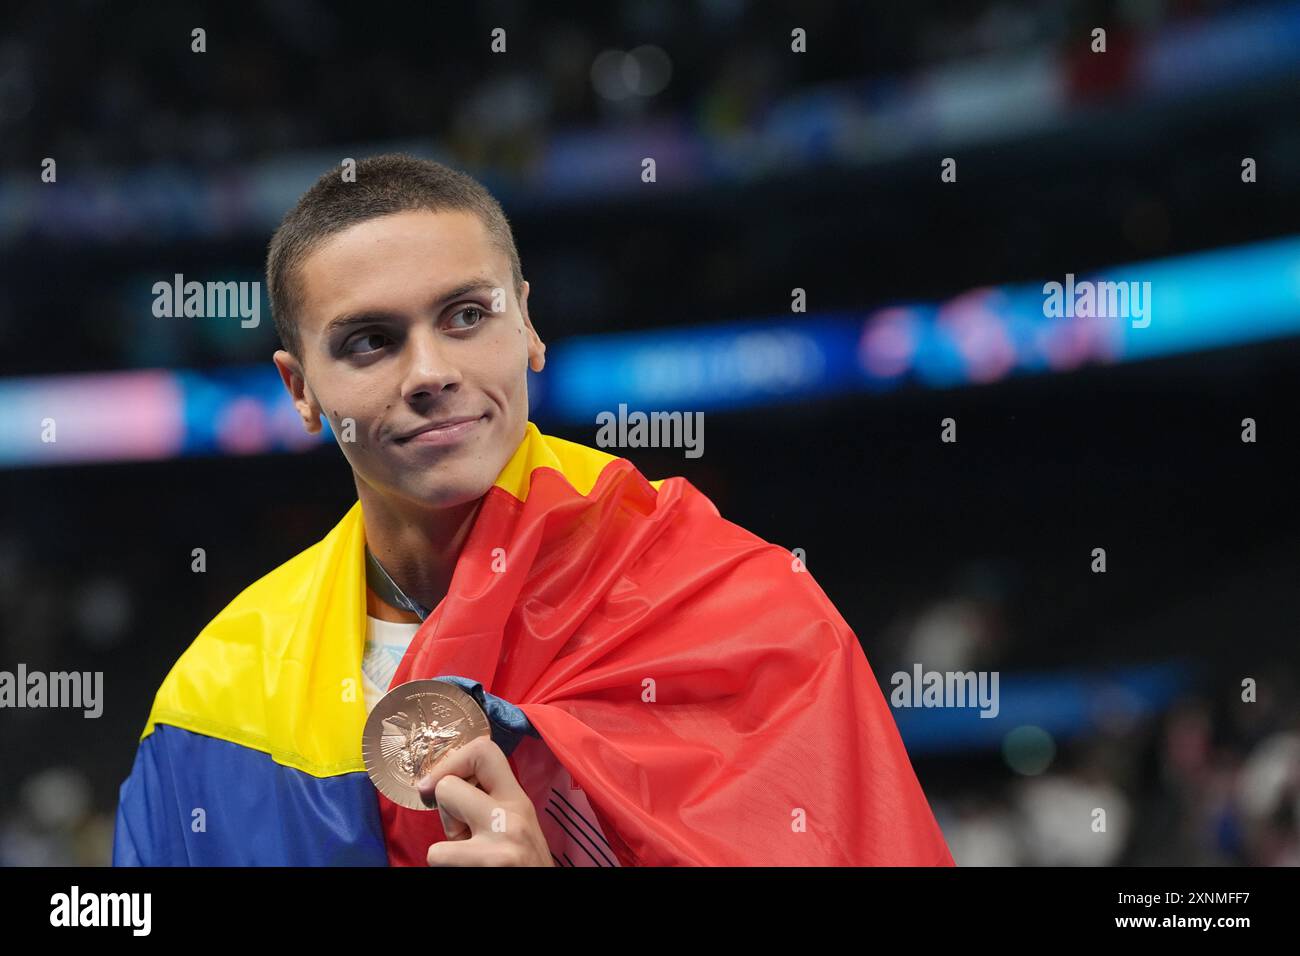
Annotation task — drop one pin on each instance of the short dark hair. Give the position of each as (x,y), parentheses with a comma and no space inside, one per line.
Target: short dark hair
(391,183)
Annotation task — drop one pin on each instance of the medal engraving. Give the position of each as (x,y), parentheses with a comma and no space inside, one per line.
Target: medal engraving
(411,729)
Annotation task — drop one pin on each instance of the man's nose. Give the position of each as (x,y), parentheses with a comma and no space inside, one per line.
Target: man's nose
(428,369)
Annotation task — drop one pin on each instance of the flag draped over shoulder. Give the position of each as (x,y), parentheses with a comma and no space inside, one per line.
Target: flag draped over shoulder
(695,682)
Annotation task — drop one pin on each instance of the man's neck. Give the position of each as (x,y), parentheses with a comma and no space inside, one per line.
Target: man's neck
(418,547)
(380,609)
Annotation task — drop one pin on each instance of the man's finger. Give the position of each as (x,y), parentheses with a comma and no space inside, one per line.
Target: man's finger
(425,787)
(461,806)
(481,759)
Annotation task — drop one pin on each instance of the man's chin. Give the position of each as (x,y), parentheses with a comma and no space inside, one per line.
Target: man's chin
(444,495)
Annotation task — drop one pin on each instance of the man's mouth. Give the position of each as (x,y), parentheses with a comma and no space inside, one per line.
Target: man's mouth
(448,431)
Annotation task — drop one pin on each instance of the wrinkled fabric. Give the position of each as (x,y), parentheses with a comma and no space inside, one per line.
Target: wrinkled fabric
(698,686)
(508,724)
(193,800)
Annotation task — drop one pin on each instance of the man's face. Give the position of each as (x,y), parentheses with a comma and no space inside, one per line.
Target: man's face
(410,321)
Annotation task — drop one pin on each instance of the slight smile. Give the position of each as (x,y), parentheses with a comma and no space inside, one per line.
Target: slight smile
(442,433)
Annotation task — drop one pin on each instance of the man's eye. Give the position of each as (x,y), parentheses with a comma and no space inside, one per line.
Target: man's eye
(469,311)
(368,337)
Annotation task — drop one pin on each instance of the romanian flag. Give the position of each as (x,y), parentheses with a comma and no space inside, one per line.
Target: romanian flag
(693,696)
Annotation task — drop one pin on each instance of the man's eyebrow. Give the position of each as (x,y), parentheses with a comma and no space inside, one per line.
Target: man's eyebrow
(473,284)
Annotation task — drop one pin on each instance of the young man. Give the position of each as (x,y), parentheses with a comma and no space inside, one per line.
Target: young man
(664,688)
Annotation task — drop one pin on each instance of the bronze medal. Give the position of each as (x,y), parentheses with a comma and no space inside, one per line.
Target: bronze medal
(412,727)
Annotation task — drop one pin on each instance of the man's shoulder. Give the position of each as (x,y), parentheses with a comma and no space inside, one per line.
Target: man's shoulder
(250,660)
(580,465)
(232,646)
(280,590)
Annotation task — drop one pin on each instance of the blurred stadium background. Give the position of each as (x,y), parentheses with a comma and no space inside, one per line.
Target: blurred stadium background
(775,170)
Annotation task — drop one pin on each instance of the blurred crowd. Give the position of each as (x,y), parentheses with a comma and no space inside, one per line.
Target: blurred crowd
(1209,777)
(1209,783)
(299,74)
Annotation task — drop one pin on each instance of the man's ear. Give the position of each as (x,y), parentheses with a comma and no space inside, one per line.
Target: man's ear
(536,347)
(291,374)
